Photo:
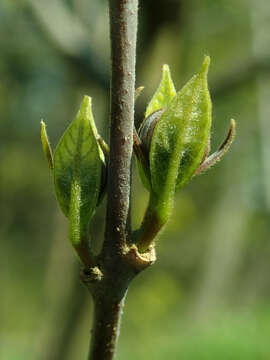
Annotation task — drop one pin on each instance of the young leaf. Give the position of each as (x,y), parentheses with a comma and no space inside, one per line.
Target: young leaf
(198,125)
(164,93)
(160,100)
(179,141)
(78,161)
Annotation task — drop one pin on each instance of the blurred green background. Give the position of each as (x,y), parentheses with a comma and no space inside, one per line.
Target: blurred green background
(208,295)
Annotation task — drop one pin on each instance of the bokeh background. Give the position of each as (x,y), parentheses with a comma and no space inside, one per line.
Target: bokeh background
(208,295)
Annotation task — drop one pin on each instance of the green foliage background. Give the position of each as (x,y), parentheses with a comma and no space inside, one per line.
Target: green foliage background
(208,295)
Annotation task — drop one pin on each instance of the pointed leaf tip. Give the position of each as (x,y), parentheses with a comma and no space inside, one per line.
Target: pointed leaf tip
(166,70)
(46,145)
(205,65)
(207,61)
(164,93)
(85,111)
(87,100)
(86,106)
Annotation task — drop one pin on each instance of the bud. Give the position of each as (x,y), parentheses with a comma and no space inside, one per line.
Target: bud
(79,170)
(175,139)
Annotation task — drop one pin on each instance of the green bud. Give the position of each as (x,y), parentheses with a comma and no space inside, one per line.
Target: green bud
(179,140)
(159,102)
(78,166)
(175,139)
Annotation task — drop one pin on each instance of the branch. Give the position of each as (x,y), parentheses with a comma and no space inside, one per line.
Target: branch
(109,280)
(107,315)
(123,22)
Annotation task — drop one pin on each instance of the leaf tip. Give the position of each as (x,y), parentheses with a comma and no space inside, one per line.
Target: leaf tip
(205,65)
(233,128)
(87,100)
(166,73)
(85,107)
(165,68)
(46,144)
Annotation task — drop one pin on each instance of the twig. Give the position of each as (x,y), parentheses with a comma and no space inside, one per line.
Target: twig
(109,280)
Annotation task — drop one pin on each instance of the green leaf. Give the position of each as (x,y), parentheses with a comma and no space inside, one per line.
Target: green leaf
(164,94)
(160,100)
(46,145)
(78,162)
(179,141)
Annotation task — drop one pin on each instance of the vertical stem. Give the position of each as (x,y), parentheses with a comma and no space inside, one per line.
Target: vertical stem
(123,30)
(107,317)
(109,293)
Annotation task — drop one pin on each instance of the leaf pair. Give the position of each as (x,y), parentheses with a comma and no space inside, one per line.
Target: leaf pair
(172,146)
(175,138)
(78,166)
